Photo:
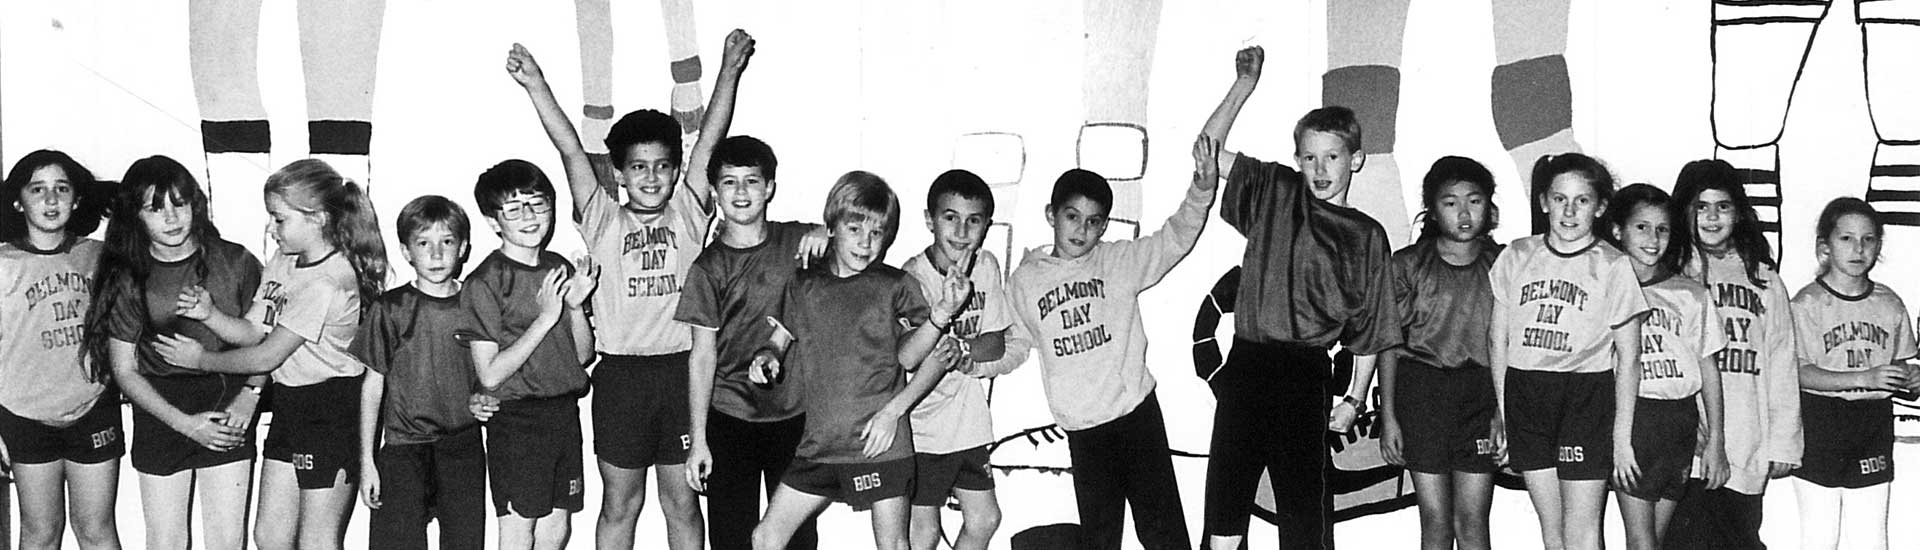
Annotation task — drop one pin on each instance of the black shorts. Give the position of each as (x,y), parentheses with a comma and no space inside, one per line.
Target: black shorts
(1665,434)
(857,484)
(1560,420)
(936,476)
(316,428)
(159,450)
(533,457)
(94,438)
(1849,443)
(640,410)
(444,480)
(1445,415)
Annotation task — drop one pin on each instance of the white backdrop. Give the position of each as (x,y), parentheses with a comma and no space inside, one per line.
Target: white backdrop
(887,86)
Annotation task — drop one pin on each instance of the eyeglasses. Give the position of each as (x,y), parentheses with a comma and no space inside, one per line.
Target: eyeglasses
(521,209)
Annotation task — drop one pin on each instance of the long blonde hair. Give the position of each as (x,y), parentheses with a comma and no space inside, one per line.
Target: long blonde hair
(352,227)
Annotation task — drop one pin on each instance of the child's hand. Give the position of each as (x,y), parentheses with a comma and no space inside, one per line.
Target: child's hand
(210,430)
(1714,463)
(194,303)
(1497,431)
(1342,417)
(1884,377)
(483,406)
(586,277)
(369,484)
(1206,163)
(699,464)
(765,368)
(813,245)
(178,351)
(879,433)
(1390,442)
(1626,471)
(955,288)
(739,49)
(522,67)
(1246,64)
(240,411)
(1777,470)
(549,296)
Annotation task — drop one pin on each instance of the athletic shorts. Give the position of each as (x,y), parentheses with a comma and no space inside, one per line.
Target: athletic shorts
(94,438)
(857,484)
(1849,443)
(158,450)
(640,410)
(1444,417)
(1665,435)
(533,457)
(936,476)
(1560,420)
(316,428)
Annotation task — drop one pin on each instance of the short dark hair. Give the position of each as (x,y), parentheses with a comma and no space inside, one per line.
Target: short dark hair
(743,152)
(960,183)
(88,209)
(1081,183)
(1332,119)
(421,213)
(643,126)
(506,179)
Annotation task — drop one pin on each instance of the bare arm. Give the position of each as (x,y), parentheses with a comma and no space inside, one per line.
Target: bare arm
(494,364)
(719,117)
(197,304)
(373,388)
(1246,64)
(257,359)
(1626,394)
(207,428)
(581,179)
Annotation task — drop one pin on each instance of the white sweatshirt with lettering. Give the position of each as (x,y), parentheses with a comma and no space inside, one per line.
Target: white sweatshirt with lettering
(1083,316)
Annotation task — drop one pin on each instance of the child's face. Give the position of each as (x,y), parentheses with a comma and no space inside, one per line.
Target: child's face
(47,199)
(857,244)
(1462,209)
(1078,223)
(649,176)
(1853,246)
(168,221)
(1571,206)
(1644,234)
(743,194)
(524,219)
(435,253)
(958,225)
(1327,165)
(296,232)
(1713,218)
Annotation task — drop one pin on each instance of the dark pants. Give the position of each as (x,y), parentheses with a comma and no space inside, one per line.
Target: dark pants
(746,457)
(445,480)
(1272,414)
(1718,519)
(1125,461)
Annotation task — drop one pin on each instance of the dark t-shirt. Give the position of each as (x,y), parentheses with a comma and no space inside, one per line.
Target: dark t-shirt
(1445,310)
(1314,272)
(734,291)
(500,301)
(408,337)
(845,356)
(232,276)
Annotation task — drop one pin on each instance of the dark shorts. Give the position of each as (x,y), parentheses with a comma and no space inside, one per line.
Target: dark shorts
(94,438)
(444,480)
(640,410)
(936,476)
(1560,420)
(158,450)
(1849,443)
(857,484)
(316,428)
(533,457)
(1665,434)
(1445,415)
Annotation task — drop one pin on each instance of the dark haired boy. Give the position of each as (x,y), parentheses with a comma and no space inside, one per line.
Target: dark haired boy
(429,463)
(1315,272)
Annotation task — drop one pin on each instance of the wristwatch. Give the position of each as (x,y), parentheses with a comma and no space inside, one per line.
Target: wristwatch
(1358,405)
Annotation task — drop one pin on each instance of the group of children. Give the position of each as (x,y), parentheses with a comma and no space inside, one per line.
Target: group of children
(1643,345)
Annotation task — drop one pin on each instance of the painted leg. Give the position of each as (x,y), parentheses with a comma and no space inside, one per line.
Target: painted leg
(1892,33)
(223,40)
(1532,96)
(1363,74)
(683,49)
(1759,50)
(339,53)
(1117,64)
(593,22)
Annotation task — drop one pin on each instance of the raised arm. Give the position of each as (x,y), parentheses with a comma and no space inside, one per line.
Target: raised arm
(719,117)
(1246,69)
(581,179)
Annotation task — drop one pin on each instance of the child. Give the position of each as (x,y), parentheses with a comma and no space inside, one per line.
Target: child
(1678,340)
(528,359)
(843,330)
(193,432)
(299,326)
(1566,352)
(1853,338)
(1437,404)
(743,433)
(952,428)
(431,465)
(639,403)
(1314,273)
(1758,380)
(60,425)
